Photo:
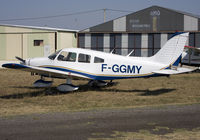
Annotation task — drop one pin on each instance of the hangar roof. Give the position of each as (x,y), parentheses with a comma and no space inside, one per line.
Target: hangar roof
(184,13)
(40,28)
(151,19)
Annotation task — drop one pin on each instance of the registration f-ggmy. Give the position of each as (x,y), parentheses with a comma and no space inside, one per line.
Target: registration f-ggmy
(100,67)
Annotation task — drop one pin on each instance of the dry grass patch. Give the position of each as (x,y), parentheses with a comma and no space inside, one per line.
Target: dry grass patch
(177,134)
(17,97)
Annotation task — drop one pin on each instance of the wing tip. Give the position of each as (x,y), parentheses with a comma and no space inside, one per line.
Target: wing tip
(13,66)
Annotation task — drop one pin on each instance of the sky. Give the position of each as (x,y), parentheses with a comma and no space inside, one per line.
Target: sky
(89,12)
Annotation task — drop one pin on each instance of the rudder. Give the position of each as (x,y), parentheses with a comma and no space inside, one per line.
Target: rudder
(172,49)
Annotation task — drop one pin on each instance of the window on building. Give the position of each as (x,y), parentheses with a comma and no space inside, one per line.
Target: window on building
(116,43)
(192,40)
(134,43)
(38,42)
(154,41)
(98,60)
(97,41)
(196,53)
(67,56)
(84,58)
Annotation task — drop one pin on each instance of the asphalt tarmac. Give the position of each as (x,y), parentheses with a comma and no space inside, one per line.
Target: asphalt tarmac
(84,125)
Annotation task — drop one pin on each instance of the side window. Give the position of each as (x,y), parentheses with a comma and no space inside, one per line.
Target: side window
(84,58)
(67,56)
(98,60)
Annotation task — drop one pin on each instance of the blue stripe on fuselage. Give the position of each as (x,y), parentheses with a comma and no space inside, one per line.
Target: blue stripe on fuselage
(91,76)
(96,77)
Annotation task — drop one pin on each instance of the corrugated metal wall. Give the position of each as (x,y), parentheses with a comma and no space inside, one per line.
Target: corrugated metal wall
(152,19)
(124,43)
(144,31)
(20,41)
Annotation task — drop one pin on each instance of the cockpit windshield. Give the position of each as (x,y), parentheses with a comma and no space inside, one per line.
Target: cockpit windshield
(67,56)
(53,56)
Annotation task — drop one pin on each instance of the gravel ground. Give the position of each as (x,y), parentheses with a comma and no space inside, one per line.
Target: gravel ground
(99,124)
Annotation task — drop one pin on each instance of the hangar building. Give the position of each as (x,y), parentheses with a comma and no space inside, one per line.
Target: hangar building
(28,41)
(144,31)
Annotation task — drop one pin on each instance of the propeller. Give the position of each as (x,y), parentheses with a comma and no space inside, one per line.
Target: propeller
(20,59)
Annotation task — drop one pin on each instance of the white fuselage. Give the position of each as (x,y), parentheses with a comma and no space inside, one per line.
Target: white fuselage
(110,66)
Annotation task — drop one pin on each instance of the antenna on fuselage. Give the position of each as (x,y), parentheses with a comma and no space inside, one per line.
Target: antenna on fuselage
(130,53)
(112,50)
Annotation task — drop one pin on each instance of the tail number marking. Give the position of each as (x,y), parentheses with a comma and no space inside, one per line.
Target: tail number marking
(122,68)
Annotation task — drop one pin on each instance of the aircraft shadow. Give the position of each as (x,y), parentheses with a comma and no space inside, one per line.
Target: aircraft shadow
(39,92)
(52,91)
(156,92)
(146,92)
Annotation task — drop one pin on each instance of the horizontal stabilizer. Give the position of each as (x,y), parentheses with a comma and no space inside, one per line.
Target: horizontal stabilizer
(172,71)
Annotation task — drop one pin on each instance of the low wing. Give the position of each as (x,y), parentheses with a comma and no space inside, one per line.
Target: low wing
(173,71)
(41,71)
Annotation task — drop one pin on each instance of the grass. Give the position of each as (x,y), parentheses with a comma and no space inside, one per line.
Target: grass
(176,134)
(18,97)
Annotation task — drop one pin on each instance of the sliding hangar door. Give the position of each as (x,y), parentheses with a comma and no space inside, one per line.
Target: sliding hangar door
(145,32)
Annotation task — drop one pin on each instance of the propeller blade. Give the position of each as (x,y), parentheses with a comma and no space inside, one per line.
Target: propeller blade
(20,59)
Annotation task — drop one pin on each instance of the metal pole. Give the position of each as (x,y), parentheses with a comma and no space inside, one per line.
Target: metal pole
(104,11)
(190,57)
(22,46)
(56,37)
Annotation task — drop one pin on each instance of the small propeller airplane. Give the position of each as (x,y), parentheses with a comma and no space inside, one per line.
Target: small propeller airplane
(193,55)
(99,66)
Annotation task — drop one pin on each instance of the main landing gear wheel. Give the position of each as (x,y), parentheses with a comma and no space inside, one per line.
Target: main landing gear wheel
(67,87)
(97,83)
(41,83)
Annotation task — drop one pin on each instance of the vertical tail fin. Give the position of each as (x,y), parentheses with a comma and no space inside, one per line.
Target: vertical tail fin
(172,49)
